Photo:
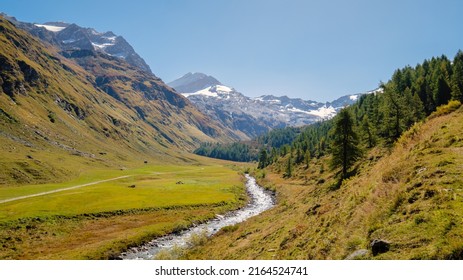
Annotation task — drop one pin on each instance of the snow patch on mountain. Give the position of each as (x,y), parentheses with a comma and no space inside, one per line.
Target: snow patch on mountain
(213,91)
(324,112)
(102,46)
(51,28)
(354,97)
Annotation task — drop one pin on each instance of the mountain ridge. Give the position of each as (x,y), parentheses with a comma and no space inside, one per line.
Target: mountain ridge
(64,112)
(257,115)
(70,36)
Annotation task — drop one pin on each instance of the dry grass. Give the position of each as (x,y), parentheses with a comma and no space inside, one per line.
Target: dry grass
(410,196)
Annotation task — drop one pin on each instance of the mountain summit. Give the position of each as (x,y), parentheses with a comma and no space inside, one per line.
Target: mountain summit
(193,82)
(67,37)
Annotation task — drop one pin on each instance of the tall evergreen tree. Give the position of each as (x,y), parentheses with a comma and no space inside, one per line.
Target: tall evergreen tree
(263,159)
(368,132)
(345,147)
(289,168)
(307,159)
(442,91)
(457,77)
(393,110)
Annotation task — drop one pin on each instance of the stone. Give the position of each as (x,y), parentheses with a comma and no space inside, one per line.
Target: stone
(359,254)
(379,246)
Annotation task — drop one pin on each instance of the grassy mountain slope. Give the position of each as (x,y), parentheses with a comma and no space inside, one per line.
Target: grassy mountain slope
(58,120)
(95,159)
(410,196)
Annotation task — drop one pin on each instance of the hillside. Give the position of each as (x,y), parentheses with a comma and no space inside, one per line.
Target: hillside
(58,119)
(95,154)
(409,196)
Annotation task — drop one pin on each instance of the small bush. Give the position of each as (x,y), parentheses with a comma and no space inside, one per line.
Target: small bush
(410,134)
(230,228)
(446,109)
(392,175)
(197,239)
(52,117)
(173,253)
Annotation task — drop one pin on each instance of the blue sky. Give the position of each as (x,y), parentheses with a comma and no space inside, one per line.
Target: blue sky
(316,50)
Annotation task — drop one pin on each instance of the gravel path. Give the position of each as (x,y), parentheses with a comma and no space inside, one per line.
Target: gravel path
(63,189)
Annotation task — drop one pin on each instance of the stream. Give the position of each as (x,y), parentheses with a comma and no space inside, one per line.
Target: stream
(260,201)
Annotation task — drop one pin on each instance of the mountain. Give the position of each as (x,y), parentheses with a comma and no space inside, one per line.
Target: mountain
(62,112)
(253,116)
(192,82)
(68,37)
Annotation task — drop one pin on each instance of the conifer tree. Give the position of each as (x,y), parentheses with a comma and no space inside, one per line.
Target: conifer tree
(368,133)
(345,148)
(457,77)
(289,168)
(307,159)
(393,110)
(263,159)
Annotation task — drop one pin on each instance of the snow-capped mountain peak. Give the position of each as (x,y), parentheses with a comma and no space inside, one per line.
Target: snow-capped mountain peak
(194,82)
(71,37)
(218,91)
(254,116)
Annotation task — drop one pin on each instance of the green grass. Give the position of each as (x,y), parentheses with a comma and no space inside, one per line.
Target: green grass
(101,220)
(155,186)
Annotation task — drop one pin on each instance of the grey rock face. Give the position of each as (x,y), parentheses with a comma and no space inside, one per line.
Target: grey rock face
(71,37)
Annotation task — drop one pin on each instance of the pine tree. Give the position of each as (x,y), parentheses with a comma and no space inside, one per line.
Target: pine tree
(368,133)
(263,159)
(299,156)
(345,148)
(289,168)
(442,91)
(457,77)
(393,109)
(307,159)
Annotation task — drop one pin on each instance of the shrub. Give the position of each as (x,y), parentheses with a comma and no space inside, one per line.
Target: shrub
(446,109)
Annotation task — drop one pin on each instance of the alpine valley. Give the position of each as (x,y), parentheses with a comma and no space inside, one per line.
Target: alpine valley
(97,160)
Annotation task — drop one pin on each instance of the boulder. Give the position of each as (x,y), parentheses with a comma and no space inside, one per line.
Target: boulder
(359,254)
(379,246)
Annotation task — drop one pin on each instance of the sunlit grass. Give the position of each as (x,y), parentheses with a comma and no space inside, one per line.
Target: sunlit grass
(411,196)
(101,220)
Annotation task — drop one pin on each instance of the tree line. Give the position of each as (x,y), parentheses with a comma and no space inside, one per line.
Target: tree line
(411,95)
(248,151)
(379,118)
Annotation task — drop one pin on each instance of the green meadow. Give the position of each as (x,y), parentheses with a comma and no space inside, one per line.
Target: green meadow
(150,201)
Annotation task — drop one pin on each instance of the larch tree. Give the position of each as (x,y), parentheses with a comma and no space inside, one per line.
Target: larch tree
(345,145)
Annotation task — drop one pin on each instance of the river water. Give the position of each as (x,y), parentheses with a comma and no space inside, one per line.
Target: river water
(260,201)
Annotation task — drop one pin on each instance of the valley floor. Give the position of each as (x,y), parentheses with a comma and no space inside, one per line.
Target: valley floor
(98,219)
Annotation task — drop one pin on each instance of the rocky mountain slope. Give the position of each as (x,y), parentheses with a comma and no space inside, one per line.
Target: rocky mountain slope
(253,116)
(67,37)
(64,111)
